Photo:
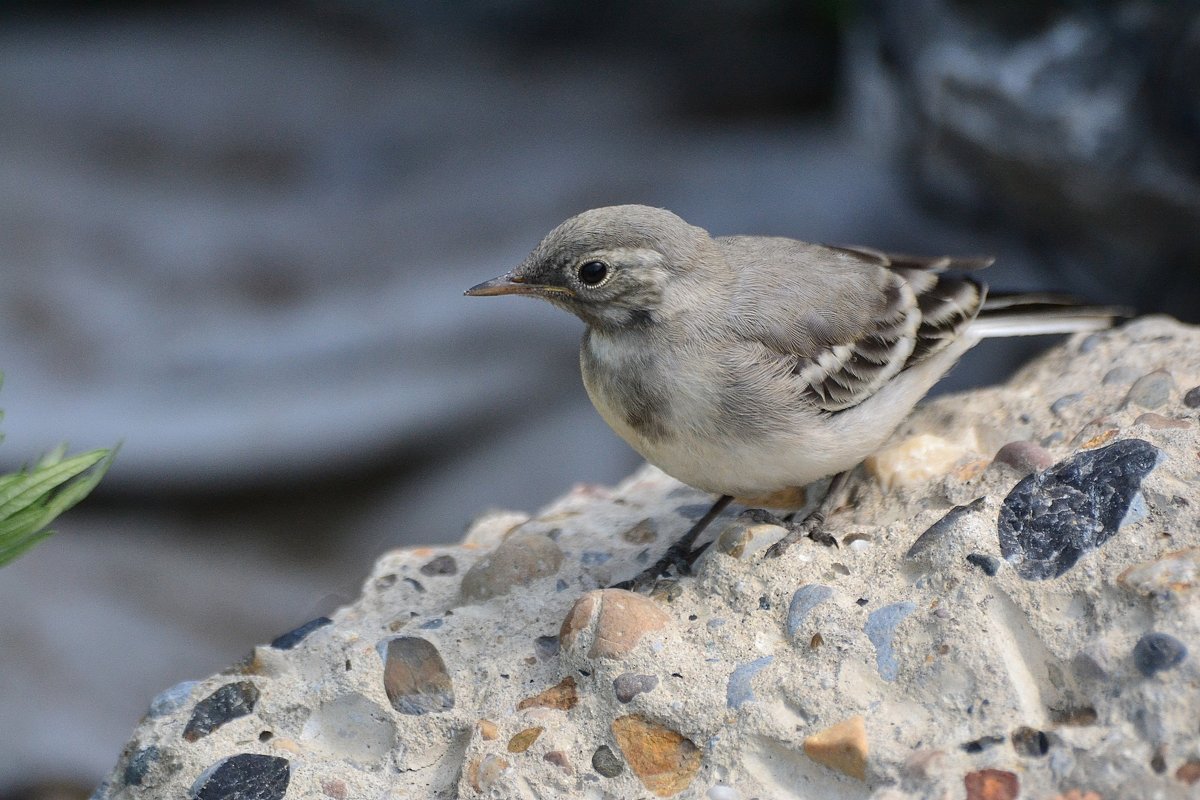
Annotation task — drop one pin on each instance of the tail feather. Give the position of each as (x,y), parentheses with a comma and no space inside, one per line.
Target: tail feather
(1040,313)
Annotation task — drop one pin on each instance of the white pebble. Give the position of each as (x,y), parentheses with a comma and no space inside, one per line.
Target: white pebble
(723,792)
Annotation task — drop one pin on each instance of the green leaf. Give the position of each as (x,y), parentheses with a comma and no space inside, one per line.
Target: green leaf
(31,499)
(43,478)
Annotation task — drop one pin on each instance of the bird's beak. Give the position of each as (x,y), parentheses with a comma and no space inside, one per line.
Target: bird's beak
(512,284)
(505,284)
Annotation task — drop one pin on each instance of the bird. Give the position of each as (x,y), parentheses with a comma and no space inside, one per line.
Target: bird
(749,366)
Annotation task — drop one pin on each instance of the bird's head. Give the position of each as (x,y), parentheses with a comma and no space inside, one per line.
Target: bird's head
(611,267)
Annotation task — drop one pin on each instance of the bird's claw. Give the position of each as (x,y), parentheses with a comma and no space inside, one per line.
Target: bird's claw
(819,536)
(811,528)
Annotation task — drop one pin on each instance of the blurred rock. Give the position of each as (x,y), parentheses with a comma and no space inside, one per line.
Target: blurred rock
(1075,123)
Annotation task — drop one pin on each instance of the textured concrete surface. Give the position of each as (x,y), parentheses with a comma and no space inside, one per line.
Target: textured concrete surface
(929,654)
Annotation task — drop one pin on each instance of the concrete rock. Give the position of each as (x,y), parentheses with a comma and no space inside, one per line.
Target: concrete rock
(932,664)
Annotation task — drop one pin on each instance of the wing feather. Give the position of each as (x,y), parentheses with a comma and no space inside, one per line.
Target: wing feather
(889,312)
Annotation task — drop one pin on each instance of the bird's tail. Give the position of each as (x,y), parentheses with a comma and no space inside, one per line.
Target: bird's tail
(1035,314)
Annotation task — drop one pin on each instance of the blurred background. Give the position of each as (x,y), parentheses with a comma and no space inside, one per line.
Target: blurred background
(234,238)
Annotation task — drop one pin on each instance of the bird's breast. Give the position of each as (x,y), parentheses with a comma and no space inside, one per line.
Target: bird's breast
(628,386)
(703,419)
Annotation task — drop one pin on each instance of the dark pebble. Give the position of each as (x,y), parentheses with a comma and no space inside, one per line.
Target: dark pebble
(139,764)
(605,761)
(1090,343)
(1052,518)
(629,685)
(246,776)
(1192,398)
(231,701)
(294,637)
(989,564)
(1156,652)
(415,677)
(1030,742)
(934,534)
(416,584)
(432,625)
(440,565)
(594,558)
(546,646)
(981,744)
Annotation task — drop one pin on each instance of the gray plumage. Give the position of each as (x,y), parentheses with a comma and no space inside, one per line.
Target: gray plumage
(743,365)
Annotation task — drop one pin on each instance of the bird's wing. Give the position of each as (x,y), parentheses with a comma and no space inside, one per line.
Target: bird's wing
(848,319)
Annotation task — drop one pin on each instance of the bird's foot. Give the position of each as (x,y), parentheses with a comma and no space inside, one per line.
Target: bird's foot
(811,527)
(678,557)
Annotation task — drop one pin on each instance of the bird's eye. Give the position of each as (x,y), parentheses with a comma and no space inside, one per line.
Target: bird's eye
(593,273)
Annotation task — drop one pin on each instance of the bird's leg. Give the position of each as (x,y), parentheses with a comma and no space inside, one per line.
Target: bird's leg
(680,554)
(811,525)
(759,516)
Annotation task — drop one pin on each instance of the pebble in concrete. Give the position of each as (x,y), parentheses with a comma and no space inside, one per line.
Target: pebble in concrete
(629,685)
(1050,519)
(231,701)
(881,629)
(804,600)
(664,760)
(247,776)
(415,677)
(609,623)
(739,690)
(842,747)
(518,561)
(294,637)
(1156,652)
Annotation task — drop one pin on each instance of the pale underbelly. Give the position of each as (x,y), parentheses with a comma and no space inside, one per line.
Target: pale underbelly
(747,468)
